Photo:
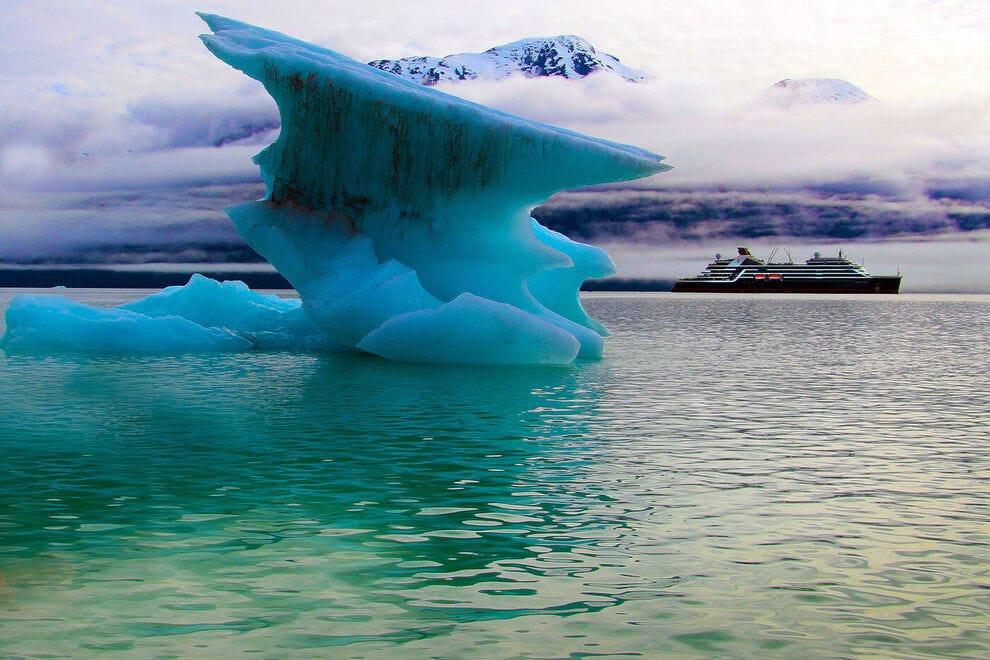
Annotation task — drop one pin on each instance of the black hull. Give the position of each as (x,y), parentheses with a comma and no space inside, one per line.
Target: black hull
(792,285)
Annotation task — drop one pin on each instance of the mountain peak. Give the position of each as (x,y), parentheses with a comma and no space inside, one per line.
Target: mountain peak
(566,56)
(804,91)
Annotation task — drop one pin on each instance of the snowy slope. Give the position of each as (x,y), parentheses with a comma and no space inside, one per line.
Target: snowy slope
(566,56)
(804,91)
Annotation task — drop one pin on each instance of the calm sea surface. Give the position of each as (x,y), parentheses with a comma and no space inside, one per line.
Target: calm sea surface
(745,477)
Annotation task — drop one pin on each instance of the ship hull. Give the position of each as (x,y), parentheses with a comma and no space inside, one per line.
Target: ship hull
(876,284)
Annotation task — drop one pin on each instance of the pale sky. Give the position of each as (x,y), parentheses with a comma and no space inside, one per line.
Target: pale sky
(893,48)
(69,71)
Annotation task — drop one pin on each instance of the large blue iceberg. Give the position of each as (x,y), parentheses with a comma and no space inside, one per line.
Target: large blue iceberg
(401,214)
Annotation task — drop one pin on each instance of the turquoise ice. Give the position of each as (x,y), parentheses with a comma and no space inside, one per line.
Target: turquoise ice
(435,192)
(400,214)
(202,316)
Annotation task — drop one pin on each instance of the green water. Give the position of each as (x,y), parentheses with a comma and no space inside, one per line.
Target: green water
(739,477)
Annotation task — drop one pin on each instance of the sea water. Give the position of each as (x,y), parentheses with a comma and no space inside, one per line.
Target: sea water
(744,477)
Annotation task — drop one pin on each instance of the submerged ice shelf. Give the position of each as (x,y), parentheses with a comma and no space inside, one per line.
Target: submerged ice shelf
(401,214)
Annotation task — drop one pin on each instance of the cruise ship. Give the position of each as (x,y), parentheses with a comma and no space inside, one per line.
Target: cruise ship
(744,273)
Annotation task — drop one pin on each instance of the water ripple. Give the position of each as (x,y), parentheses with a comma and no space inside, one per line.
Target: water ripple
(744,477)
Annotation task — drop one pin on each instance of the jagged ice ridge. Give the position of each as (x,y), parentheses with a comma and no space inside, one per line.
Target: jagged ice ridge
(566,56)
(401,216)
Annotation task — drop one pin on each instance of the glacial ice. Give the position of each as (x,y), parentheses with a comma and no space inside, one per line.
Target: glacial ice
(399,213)
(266,320)
(203,315)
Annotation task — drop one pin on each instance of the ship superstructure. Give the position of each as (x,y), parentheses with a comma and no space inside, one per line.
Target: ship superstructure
(745,273)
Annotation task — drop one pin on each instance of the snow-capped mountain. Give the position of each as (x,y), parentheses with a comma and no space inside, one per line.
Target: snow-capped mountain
(567,56)
(803,91)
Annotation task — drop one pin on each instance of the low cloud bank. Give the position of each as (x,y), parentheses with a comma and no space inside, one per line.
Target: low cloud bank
(86,184)
(659,216)
(717,138)
(137,225)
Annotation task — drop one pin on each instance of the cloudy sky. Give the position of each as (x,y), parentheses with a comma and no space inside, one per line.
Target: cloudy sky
(120,128)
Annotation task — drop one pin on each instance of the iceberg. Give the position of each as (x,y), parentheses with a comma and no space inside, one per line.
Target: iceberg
(57,323)
(203,315)
(401,216)
(266,320)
